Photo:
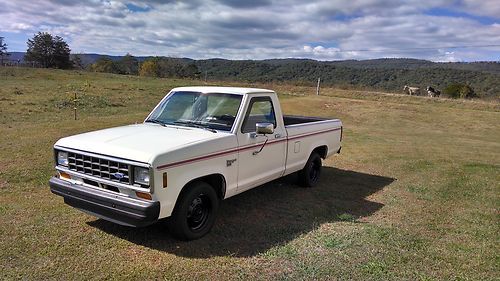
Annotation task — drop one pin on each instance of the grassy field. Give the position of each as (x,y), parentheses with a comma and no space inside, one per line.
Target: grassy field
(414,194)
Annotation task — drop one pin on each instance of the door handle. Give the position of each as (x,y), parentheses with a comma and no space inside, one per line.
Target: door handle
(277,136)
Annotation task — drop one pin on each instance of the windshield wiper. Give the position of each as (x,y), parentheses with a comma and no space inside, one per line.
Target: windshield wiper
(156,122)
(195,125)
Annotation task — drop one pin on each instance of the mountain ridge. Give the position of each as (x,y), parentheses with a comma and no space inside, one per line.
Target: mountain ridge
(393,63)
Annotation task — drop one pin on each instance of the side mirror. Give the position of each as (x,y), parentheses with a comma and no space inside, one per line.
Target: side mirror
(264,128)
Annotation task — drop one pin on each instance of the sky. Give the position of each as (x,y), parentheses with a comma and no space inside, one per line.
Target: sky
(437,30)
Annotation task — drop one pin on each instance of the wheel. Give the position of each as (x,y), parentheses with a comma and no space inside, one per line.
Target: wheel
(195,212)
(310,174)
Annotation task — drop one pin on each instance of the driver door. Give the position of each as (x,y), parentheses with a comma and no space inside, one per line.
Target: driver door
(255,167)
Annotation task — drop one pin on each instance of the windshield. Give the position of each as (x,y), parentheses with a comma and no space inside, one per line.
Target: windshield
(193,109)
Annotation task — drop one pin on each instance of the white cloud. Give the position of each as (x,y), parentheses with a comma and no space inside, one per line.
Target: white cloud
(322,29)
(490,8)
(18,27)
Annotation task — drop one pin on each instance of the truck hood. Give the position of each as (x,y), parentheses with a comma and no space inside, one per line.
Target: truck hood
(140,142)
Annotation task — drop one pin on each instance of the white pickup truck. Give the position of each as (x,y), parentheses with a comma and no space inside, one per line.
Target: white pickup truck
(198,146)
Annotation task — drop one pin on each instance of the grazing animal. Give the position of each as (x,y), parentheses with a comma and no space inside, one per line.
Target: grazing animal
(411,90)
(431,92)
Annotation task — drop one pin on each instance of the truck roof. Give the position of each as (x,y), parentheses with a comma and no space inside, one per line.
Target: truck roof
(224,90)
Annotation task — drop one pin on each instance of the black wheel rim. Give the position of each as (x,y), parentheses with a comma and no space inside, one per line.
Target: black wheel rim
(198,212)
(315,170)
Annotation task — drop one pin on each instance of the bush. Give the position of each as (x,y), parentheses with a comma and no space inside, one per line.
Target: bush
(105,64)
(458,90)
(150,68)
(128,65)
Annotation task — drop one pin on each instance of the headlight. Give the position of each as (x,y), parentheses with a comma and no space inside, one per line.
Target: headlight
(62,158)
(141,175)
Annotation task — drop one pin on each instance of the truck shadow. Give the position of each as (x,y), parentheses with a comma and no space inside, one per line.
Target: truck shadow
(267,216)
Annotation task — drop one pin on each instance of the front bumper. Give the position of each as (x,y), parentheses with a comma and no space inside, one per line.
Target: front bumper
(105,205)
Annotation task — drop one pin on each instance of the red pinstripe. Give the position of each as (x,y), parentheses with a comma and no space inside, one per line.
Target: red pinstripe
(238,149)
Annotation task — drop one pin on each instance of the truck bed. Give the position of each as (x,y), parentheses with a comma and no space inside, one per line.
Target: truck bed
(304,133)
(296,119)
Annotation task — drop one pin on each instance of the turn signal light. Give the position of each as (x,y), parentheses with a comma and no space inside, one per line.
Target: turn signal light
(143,195)
(64,175)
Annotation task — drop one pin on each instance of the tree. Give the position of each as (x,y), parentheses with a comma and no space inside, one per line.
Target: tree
(61,53)
(105,64)
(77,62)
(170,67)
(129,65)
(467,92)
(3,50)
(190,71)
(458,90)
(150,67)
(48,51)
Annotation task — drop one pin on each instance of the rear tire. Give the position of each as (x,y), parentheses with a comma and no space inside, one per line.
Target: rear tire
(310,174)
(195,212)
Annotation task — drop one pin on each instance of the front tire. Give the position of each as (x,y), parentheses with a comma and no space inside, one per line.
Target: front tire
(310,174)
(195,212)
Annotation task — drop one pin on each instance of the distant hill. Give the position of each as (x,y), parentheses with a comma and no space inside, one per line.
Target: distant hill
(86,58)
(401,63)
(16,56)
(384,63)
(389,74)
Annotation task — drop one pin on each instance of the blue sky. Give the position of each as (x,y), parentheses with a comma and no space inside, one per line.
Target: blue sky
(437,30)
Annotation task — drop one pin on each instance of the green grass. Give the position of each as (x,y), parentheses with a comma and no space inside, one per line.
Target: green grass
(414,194)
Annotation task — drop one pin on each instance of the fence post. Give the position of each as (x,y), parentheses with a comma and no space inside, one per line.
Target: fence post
(74,108)
(317,87)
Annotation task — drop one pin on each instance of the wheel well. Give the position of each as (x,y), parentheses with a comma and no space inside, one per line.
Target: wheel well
(216,181)
(322,151)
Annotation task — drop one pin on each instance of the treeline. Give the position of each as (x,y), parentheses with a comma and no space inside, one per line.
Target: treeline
(341,74)
(49,51)
(153,67)
(382,74)
(408,63)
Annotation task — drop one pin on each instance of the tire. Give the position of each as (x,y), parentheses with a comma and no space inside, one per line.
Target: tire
(310,174)
(195,212)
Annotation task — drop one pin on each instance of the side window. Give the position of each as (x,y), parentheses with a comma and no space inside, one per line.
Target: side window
(260,110)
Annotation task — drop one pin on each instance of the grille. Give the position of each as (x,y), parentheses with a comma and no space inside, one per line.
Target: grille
(98,167)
